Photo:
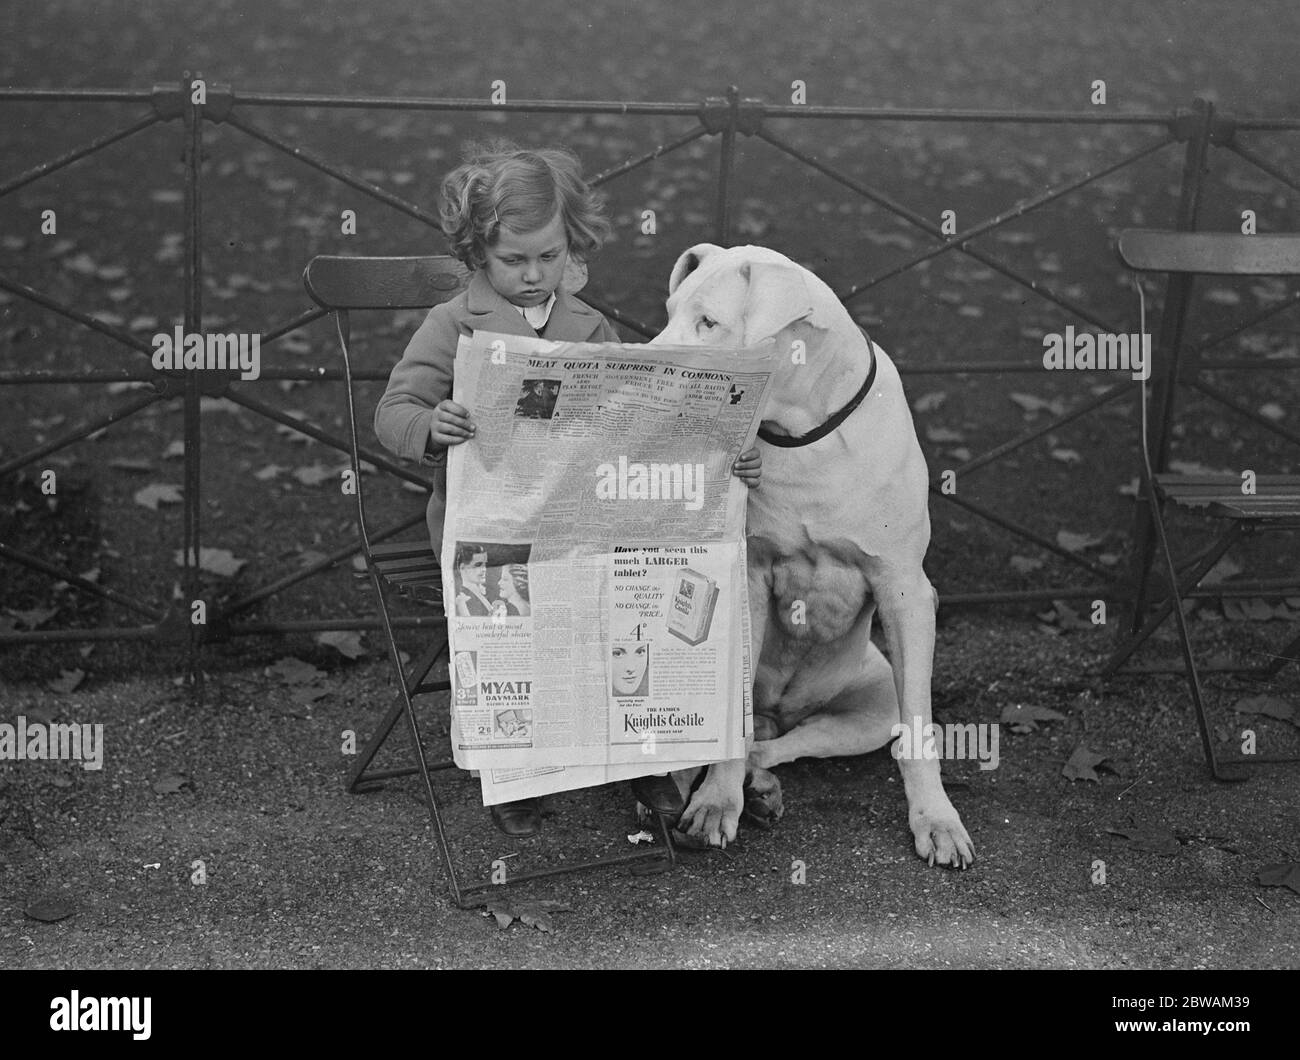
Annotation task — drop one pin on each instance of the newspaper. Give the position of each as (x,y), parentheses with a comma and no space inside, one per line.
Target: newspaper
(594,560)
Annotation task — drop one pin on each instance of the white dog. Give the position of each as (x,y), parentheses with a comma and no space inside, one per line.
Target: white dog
(838,528)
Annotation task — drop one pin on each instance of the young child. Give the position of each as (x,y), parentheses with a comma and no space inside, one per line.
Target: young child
(514,218)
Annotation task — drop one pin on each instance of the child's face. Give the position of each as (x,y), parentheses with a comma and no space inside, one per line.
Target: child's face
(525,267)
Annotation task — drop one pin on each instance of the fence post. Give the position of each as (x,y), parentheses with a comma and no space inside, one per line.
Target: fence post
(193,158)
(1197,127)
(726,161)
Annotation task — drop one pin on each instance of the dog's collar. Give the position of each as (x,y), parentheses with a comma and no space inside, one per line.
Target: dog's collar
(789,441)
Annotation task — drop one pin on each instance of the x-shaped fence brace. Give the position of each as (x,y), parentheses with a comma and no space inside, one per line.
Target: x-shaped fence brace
(727,117)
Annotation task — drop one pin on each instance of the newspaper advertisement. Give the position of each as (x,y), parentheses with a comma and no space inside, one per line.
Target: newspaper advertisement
(594,560)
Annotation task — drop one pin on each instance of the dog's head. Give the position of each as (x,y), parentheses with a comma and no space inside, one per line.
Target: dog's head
(740,296)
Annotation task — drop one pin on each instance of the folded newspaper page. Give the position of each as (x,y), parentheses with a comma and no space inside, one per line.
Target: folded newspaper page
(594,560)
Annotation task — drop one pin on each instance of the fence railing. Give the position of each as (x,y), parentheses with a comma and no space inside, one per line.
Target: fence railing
(194,105)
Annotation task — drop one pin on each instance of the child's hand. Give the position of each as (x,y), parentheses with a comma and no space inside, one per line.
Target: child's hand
(748,467)
(451,424)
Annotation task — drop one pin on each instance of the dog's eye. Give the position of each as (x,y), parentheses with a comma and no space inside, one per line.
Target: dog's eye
(708,323)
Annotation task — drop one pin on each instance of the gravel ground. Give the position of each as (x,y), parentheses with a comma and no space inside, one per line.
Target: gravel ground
(301,875)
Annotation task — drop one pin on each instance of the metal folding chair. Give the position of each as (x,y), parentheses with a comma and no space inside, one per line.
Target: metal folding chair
(342,284)
(1273,506)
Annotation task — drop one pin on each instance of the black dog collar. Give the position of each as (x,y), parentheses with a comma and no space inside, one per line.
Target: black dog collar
(789,441)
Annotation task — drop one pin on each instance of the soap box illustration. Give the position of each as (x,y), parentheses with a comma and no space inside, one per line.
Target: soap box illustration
(691,612)
(466,679)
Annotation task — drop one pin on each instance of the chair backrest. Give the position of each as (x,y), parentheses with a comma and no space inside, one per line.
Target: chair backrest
(341,284)
(1213,253)
(1208,253)
(383,283)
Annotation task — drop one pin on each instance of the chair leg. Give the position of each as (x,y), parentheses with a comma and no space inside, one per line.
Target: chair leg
(1184,636)
(411,682)
(667,855)
(1189,581)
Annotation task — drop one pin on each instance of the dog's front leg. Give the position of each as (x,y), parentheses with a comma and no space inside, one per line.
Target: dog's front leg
(713,812)
(907,613)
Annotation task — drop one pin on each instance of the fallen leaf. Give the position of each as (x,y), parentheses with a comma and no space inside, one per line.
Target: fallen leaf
(1273,411)
(174,450)
(1269,707)
(1226,568)
(534,916)
(218,561)
(172,783)
(269,472)
(1192,467)
(309,556)
(1073,542)
(82,263)
(1151,838)
(1065,616)
(1032,404)
(944,434)
(124,464)
(308,694)
(346,642)
(50,910)
(1024,564)
(1252,610)
(930,402)
(35,618)
(67,681)
(640,837)
(1285,875)
(1067,456)
(1025,717)
(157,493)
(289,432)
(294,671)
(315,474)
(1081,765)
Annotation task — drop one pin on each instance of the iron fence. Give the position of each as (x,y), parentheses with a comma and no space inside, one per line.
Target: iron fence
(1200,131)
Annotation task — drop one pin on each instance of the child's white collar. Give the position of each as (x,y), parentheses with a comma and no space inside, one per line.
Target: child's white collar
(537,315)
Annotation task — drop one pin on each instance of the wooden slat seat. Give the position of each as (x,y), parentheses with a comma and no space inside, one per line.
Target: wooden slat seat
(1275,496)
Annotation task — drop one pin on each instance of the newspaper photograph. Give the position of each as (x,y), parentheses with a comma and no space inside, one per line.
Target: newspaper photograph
(594,560)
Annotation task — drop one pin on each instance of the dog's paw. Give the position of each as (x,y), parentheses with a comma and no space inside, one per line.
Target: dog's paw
(940,836)
(763,805)
(712,815)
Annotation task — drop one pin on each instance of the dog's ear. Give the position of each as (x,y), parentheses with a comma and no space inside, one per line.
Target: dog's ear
(778,296)
(688,263)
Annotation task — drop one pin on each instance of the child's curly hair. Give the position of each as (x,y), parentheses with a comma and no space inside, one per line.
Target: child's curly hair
(500,183)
